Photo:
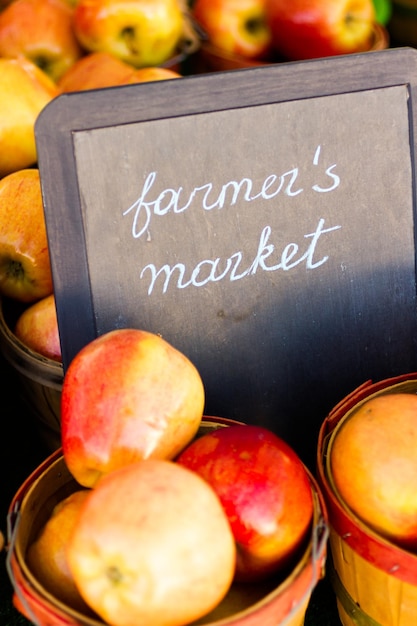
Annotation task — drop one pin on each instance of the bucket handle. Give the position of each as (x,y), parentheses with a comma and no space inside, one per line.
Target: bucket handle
(319,539)
(319,546)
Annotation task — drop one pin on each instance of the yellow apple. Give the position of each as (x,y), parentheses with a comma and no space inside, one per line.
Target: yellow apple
(127,395)
(140,32)
(374,465)
(37,328)
(42,31)
(25,271)
(25,90)
(152,546)
(46,556)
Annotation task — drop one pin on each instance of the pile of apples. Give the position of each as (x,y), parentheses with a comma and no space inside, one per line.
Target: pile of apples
(48,47)
(26,283)
(52,46)
(165,518)
(291,30)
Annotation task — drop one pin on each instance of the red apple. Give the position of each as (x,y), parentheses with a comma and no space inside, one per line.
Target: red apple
(37,328)
(307,29)
(127,395)
(236,26)
(140,32)
(40,30)
(265,491)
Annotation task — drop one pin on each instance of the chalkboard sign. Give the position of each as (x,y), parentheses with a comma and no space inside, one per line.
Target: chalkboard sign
(261,220)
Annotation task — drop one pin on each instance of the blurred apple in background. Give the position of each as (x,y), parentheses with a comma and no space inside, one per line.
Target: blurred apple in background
(25,272)
(97,70)
(37,328)
(150,74)
(42,31)
(264,489)
(127,395)
(25,90)
(236,26)
(140,32)
(307,29)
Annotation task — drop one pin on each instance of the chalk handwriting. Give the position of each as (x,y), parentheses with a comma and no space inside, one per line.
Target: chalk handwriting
(207,197)
(267,259)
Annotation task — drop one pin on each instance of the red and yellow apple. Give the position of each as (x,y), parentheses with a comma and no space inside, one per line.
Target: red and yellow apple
(127,395)
(152,545)
(374,465)
(236,26)
(42,31)
(25,90)
(37,328)
(307,29)
(25,271)
(140,32)
(264,489)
